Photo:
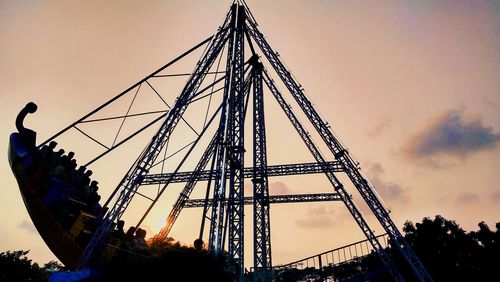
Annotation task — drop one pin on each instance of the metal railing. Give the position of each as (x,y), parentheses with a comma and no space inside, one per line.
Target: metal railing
(336,256)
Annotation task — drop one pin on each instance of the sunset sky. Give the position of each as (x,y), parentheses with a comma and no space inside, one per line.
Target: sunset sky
(411,88)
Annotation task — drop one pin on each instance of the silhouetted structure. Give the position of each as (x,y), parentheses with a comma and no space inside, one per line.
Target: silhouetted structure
(245,76)
(28,136)
(227,151)
(62,201)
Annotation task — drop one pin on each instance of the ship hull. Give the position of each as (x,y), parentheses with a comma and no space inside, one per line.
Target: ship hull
(32,178)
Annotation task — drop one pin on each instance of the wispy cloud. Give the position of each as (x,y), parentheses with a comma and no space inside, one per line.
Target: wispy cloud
(379,127)
(321,217)
(278,188)
(450,135)
(28,226)
(315,222)
(388,190)
(495,196)
(466,198)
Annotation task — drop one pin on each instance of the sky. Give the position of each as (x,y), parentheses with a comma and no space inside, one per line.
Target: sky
(410,88)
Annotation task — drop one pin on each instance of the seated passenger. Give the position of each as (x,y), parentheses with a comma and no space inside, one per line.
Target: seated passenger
(58,172)
(199,244)
(93,203)
(66,159)
(98,210)
(140,239)
(101,213)
(89,192)
(77,177)
(93,186)
(129,236)
(57,157)
(70,170)
(86,178)
(118,233)
(47,151)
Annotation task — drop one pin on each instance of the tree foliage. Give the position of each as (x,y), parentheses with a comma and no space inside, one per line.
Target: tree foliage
(447,251)
(452,254)
(16,267)
(169,260)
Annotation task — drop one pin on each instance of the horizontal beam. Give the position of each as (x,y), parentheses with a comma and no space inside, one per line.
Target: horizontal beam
(274,170)
(276,199)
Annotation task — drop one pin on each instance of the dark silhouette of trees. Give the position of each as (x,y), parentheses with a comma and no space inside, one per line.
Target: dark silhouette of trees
(452,254)
(448,252)
(16,267)
(170,261)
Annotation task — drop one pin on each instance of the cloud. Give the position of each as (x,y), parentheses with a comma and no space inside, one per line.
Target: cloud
(450,135)
(322,217)
(466,198)
(379,128)
(315,222)
(321,210)
(278,188)
(490,103)
(388,190)
(28,226)
(495,196)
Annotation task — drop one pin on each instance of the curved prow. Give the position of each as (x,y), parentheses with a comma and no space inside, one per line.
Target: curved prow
(28,136)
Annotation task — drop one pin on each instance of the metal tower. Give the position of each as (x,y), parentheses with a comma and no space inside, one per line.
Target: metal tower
(261,221)
(222,162)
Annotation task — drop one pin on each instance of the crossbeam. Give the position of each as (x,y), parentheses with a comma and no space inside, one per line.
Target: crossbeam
(273,170)
(275,199)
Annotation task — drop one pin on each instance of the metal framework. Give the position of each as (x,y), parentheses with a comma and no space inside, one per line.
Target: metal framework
(275,199)
(341,154)
(222,162)
(272,170)
(339,188)
(131,181)
(188,188)
(261,221)
(236,150)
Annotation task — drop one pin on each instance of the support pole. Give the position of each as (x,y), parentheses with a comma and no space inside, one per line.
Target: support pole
(219,195)
(236,152)
(261,220)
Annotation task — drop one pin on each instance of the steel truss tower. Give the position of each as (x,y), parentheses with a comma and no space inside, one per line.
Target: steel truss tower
(261,220)
(222,163)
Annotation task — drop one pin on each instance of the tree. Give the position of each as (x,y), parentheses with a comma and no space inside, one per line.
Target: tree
(15,266)
(447,251)
(166,259)
(452,254)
